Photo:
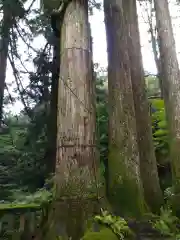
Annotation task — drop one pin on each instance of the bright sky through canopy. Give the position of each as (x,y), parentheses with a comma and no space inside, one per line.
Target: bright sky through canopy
(99,43)
(99,38)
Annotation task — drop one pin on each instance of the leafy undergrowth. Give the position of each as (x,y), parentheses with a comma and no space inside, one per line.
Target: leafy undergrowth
(167,224)
(110,227)
(160,132)
(118,225)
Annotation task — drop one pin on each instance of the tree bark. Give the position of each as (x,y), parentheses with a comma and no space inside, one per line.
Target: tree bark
(125,188)
(76,107)
(148,165)
(171,82)
(4,43)
(76,175)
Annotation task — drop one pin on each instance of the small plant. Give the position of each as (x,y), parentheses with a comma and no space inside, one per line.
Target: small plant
(117,224)
(167,224)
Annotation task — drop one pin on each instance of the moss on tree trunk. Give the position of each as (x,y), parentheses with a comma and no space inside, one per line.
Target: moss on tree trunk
(171,84)
(125,188)
(148,165)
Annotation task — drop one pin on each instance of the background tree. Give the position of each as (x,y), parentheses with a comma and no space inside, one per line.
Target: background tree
(12,12)
(171,84)
(124,172)
(148,15)
(148,165)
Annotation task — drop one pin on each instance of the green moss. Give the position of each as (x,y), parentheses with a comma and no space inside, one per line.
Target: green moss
(103,234)
(73,217)
(19,208)
(124,190)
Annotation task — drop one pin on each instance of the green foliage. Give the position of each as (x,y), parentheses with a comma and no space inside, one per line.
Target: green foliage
(117,224)
(21,158)
(152,86)
(167,224)
(102,121)
(24,141)
(102,114)
(160,133)
(9,154)
(41,196)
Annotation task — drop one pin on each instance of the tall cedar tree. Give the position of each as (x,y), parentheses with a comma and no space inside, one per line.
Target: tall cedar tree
(76,106)
(125,188)
(171,83)
(75,158)
(148,165)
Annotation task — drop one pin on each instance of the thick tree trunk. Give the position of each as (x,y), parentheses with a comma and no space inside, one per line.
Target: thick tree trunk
(4,43)
(76,130)
(171,82)
(125,188)
(75,174)
(76,107)
(148,165)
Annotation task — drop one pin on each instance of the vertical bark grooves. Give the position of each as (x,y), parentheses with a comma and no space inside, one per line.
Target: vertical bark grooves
(148,165)
(171,81)
(124,173)
(76,109)
(4,43)
(76,146)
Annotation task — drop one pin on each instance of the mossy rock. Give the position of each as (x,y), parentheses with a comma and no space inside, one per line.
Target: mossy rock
(103,234)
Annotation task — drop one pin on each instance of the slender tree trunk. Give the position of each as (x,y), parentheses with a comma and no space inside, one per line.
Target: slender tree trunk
(154,42)
(148,165)
(125,189)
(56,25)
(171,82)
(4,43)
(52,118)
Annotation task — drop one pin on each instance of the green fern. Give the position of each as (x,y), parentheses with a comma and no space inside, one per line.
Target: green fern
(166,224)
(117,224)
